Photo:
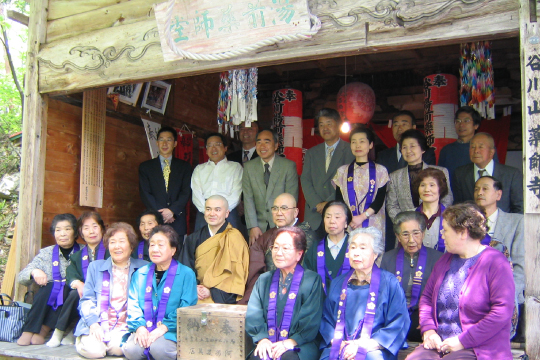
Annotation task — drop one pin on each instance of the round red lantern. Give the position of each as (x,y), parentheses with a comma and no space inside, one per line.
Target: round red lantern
(356,102)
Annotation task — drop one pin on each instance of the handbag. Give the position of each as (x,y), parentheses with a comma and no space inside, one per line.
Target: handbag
(12,318)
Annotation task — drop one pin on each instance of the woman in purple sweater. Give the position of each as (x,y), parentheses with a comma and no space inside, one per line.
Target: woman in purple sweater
(467,305)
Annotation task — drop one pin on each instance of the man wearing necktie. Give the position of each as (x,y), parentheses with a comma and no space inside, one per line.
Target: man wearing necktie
(248,135)
(165,182)
(263,180)
(482,151)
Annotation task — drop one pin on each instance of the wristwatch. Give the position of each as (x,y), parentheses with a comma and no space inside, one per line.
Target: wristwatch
(367,214)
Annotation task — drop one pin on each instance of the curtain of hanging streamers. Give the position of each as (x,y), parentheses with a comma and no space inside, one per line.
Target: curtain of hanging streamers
(476,71)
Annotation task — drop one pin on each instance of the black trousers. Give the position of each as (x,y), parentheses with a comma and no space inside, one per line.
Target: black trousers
(70,311)
(41,313)
(287,355)
(414,334)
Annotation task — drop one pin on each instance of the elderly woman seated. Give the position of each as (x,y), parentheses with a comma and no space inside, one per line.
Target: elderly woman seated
(468,303)
(285,307)
(411,262)
(155,292)
(365,314)
(148,220)
(48,270)
(103,306)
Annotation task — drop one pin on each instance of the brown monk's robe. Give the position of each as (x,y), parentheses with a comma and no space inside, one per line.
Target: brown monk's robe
(220,262)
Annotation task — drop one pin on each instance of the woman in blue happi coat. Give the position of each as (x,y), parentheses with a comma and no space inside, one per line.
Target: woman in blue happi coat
(365,313)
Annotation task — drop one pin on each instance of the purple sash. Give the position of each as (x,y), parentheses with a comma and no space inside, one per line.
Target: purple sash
(56,298)
(486,240)
(140,250)
(419,273)
(153,319)
(321,263)
(105,303)
(440,243)
(366,325)
(351,193)
(85,257)
(286,318)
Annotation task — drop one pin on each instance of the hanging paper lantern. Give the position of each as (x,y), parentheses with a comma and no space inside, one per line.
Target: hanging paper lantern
(356,102)
(440,105)
(288,124)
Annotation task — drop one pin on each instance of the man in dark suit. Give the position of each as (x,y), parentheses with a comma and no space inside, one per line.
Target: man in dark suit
(317,173)
(248,136)
(165,182)
(264,179)
(481,151)
(391,158)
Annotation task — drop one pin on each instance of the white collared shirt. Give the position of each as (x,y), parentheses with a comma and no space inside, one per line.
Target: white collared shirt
(489,169)
(250,152)
(335,248)
(223,178)
(398,152)
(270,162)
(326,147)
(492,221)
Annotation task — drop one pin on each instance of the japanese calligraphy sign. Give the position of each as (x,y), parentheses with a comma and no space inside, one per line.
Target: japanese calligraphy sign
(151,129)
(532,131)
(212,26)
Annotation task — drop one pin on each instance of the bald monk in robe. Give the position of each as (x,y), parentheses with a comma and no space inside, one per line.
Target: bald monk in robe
(284,213)
(218,254)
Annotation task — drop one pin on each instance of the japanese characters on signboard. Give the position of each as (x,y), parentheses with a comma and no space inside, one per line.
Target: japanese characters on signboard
(208,27)
(532,135)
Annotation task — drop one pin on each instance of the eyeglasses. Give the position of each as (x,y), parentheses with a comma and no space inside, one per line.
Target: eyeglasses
(208,146)
(415,234)
(283,208)
(285,249)
(462,121)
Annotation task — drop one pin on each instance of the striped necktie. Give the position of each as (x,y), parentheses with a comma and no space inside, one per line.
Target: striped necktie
(166,173)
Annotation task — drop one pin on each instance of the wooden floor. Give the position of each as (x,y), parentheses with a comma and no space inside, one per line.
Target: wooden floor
(12,351)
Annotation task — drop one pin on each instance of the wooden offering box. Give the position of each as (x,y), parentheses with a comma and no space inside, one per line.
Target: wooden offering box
(212,332)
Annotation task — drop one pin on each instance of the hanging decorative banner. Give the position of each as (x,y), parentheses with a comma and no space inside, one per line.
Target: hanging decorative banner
(476,71)
(288,124)
(237,99)
(151,129)
(209,30)
(184,147)
(440,105)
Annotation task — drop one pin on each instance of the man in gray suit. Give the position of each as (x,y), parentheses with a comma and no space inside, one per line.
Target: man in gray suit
(481,151)
(504,227)
(317,174)
(263,180)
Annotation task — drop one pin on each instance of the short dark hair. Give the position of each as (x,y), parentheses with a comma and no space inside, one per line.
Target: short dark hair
(327,113)
(157,216)
(408,113)
(121,227)
(414,134)
(169,232)
(223,138)
(497,185)
(476,117)
(298,235)
(346,209)
(467,216)
(90,215)
(274,134)
(64,217)
(167,129)
(243,123)
(405,216)
(439,177)
(362,129)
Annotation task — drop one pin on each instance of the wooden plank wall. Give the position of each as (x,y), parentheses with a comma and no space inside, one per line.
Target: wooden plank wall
(125,148)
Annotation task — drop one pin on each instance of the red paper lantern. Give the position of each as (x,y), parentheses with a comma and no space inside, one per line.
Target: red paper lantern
(356,102)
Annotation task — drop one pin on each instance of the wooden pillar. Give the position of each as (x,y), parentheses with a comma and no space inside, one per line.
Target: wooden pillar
(530,93)
(33,146)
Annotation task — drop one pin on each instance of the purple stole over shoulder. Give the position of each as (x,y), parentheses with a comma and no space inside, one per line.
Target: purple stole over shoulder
(140,250)
(321,263)
(365,326)
(440,243)
(56,298)
(84,257)
(351,193)
(486,240)
(281,332)
(419,273)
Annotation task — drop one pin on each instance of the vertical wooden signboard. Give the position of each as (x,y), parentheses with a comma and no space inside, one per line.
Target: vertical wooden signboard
(93,148)
(530,90)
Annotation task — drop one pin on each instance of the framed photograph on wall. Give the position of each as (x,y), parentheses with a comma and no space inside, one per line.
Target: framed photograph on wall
(129,94)
(156,96)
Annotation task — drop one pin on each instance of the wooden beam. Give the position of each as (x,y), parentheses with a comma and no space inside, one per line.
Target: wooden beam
(34,145)
(18,17)
(132,53)
(64,8)
(9,276)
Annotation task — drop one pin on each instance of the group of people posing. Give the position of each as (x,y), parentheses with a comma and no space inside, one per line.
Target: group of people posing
(389,251)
